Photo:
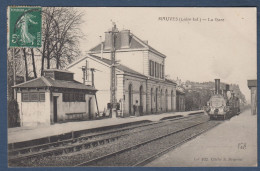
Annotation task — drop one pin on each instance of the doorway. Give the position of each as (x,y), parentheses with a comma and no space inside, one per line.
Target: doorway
(89,108)
(55,109)
(141,100)
(130,99)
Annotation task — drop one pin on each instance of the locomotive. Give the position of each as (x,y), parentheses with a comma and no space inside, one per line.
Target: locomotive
(222,106)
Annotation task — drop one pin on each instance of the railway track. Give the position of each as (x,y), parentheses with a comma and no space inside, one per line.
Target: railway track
(92,136)
(171,147)
(45,146)
(107,159)
(77,145)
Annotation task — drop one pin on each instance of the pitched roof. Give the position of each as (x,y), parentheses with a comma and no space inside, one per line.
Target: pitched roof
(169,81)
(135,43)
(121,67)
(252,83)
(44,81)
(59,70)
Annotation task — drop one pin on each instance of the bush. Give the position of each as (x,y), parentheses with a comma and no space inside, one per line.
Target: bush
(13,114)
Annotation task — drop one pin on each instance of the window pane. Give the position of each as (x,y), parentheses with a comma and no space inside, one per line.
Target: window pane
(159,73)
(76,95)
(155,73)
(71,97)
(34,96)
(42,97)
(25,97)
(150,67)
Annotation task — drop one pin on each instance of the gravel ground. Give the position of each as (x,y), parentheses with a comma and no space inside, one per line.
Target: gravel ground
(71,159)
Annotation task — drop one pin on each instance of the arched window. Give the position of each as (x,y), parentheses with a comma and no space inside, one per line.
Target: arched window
(172,100)
(166,100)
(151,99)
(156,99)
(161,100)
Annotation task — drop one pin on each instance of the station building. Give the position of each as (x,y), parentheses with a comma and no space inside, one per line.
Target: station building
(141,86)
(54,97)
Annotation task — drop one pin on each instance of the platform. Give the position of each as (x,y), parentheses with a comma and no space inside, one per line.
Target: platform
(21,134)
(232,144)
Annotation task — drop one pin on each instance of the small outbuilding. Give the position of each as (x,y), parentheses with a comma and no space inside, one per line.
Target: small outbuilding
(55,97)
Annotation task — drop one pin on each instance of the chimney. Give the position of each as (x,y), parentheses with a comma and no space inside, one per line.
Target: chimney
(125,38)
(84,74)
(108,40)
(217,86)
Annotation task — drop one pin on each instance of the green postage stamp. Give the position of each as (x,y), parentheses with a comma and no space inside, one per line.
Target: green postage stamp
(25,26)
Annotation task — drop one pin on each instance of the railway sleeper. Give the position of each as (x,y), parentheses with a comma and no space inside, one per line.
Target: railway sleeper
(24,151)
(94,144)
(87,146)
(45,155)
(78,148)
(73,141)
(69,150)
(13,153)
(102,142)
(57,153)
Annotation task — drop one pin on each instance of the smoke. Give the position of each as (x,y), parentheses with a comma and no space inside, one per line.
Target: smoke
(221,68)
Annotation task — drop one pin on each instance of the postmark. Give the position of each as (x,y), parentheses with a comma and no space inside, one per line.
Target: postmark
(25,26)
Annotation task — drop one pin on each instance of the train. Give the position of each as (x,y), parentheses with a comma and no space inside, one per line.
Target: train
(222,105)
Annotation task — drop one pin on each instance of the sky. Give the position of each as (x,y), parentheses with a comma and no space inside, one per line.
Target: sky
(201,44)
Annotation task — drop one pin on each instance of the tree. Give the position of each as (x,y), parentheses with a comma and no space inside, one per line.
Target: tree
(12,68)
(33,63)
(61,34)
(25,64)
(67,37)
(199,94)
(60,37)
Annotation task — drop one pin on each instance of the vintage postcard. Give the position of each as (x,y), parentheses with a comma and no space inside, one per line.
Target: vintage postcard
(132,86)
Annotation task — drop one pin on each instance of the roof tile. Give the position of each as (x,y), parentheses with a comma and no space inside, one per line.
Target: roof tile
(135,43)
(49,82)
(119,66)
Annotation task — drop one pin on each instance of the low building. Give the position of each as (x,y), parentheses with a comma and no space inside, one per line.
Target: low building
(252,85)
(54,97)
(141,86)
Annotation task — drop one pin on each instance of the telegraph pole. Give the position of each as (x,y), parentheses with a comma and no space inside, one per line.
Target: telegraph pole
(114,31)
(14,71)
